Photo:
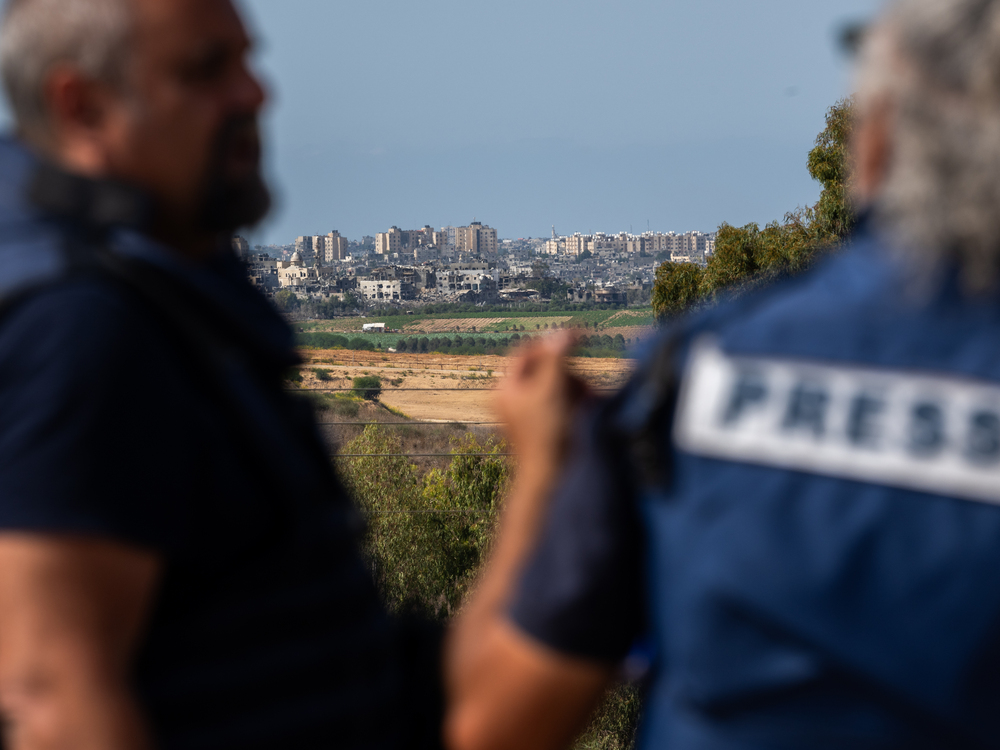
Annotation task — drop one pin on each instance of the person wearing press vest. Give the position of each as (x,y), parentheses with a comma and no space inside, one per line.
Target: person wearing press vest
(793,505)
(179,565)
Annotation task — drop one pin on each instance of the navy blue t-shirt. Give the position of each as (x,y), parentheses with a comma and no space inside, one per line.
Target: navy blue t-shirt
(820,561)
(266,630)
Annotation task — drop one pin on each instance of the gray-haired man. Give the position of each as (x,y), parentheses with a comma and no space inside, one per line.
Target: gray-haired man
(796,500)
(178,563)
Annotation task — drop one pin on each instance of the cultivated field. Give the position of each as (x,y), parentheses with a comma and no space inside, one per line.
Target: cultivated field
(497,325)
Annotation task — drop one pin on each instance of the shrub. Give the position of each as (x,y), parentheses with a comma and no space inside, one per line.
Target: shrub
(426,561)
(321,374)
(369,387)
(401,345)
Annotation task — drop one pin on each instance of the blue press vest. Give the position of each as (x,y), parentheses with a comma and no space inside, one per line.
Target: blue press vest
(813,581)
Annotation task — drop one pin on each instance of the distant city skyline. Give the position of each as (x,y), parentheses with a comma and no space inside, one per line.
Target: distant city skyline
(592,116)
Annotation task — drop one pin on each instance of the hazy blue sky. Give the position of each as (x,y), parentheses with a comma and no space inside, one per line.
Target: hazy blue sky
(590,115)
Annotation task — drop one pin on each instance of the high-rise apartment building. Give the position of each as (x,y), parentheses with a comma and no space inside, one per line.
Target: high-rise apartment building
(398,240)
(691,246)
(335,247)
(325,248)
(241,247)
(477,238)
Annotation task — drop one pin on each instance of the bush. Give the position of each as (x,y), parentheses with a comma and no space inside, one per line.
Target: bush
(294,376)
(401,345)
(426,561)
(368,387)
(321,373)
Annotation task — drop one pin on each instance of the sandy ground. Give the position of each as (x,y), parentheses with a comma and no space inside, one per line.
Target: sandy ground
(440,387)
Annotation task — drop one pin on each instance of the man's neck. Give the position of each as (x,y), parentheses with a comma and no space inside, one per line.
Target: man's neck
(171,228)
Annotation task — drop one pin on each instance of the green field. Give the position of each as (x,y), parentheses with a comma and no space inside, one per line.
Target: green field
(494,333)
(588,318)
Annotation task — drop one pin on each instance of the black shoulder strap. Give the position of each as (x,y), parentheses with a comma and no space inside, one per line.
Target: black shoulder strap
(635,424)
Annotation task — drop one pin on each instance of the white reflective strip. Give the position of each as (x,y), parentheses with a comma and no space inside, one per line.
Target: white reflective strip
(923,432)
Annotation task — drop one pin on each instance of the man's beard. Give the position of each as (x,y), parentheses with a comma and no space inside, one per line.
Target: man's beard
(229,202)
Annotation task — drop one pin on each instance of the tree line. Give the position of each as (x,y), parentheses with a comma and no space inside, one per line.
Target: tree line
(596,345)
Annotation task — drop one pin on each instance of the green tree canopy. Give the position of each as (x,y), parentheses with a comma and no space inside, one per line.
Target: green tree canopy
(677,288)
(747,257)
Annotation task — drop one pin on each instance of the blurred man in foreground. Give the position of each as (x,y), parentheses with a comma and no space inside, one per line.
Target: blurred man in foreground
(796,497)
(178,563)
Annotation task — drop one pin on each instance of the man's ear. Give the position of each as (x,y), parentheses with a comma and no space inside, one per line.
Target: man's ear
(78,110)
(871,151)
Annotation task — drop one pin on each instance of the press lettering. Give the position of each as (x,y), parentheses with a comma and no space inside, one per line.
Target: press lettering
(984,437)
(926,429)
(907,429)
(863,422)
(750,389)
(807,409)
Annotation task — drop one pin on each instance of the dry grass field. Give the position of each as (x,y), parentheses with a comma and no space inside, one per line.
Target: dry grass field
(439,387)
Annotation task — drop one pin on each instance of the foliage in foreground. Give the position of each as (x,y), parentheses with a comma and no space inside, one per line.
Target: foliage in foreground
(426,534)
(614,723)
(429,534)
(748,257)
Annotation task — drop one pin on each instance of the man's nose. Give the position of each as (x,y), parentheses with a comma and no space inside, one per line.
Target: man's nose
(248,92)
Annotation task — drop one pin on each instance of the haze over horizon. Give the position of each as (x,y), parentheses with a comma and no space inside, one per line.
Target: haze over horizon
(587,115)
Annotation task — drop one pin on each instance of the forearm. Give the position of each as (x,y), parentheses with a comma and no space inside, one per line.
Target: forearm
(52,712)
(507,690)
(520,528)
(71,612)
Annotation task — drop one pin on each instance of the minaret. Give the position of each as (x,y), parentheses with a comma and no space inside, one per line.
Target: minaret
(554,232)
